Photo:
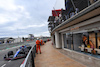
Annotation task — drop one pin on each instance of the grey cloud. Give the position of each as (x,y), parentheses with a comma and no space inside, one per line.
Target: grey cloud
(39,11)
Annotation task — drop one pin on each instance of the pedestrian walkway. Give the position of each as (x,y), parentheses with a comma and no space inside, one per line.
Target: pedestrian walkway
(51,57)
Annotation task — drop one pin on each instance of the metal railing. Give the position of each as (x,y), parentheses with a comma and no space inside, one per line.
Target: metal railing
(68,14)
(29,60)
(9,45)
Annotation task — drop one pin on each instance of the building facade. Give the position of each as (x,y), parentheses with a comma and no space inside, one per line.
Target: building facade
(79,34)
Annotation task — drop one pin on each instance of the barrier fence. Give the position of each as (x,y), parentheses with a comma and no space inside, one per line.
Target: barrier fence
(9,45)
(29,60)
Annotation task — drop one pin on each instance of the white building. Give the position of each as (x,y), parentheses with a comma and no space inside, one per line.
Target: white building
(18,40)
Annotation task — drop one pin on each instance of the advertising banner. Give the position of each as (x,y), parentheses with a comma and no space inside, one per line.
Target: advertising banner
(56,12)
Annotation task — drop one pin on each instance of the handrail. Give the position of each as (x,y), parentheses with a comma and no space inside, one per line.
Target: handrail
(81,13)
(30,54)
(29,60)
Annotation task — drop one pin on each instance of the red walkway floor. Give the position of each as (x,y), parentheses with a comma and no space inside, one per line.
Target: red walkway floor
(51,57)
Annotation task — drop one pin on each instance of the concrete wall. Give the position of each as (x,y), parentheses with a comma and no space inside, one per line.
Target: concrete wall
(83,58)
(58,40)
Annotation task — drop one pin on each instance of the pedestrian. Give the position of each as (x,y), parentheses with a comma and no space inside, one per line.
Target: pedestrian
(47,39)
(91,1)
(41,42)
(38,46)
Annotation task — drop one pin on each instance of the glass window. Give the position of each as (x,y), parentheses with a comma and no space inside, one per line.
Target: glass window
(98,39)
(92,39)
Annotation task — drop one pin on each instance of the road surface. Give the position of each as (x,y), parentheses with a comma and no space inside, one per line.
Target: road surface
(11,63)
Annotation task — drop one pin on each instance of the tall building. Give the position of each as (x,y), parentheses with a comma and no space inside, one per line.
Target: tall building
(78,32)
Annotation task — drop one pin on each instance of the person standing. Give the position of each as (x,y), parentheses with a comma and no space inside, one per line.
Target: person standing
(92,1)
(41,42)
(38,46)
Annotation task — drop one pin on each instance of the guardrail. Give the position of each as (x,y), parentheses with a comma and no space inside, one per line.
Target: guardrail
(29,60)
(9,45)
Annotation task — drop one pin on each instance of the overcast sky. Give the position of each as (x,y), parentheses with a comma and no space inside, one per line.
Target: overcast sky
(23,17)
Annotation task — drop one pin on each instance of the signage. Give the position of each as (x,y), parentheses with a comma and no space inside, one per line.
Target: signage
(74,28)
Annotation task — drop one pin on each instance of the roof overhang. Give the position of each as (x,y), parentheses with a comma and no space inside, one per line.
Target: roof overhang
(89,12)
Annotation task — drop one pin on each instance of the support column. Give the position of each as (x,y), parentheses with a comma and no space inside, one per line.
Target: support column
(57,40)
(62,37)
(52,37)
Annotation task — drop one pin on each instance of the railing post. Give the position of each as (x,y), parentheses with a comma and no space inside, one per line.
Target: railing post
(32,55)
(34,51)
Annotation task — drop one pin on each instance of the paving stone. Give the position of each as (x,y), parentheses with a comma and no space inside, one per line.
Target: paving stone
(51,57)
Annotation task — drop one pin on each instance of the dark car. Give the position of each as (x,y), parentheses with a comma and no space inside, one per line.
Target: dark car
(20,53)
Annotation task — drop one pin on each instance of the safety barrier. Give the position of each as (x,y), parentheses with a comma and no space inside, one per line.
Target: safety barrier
(9,45)
(29,60)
